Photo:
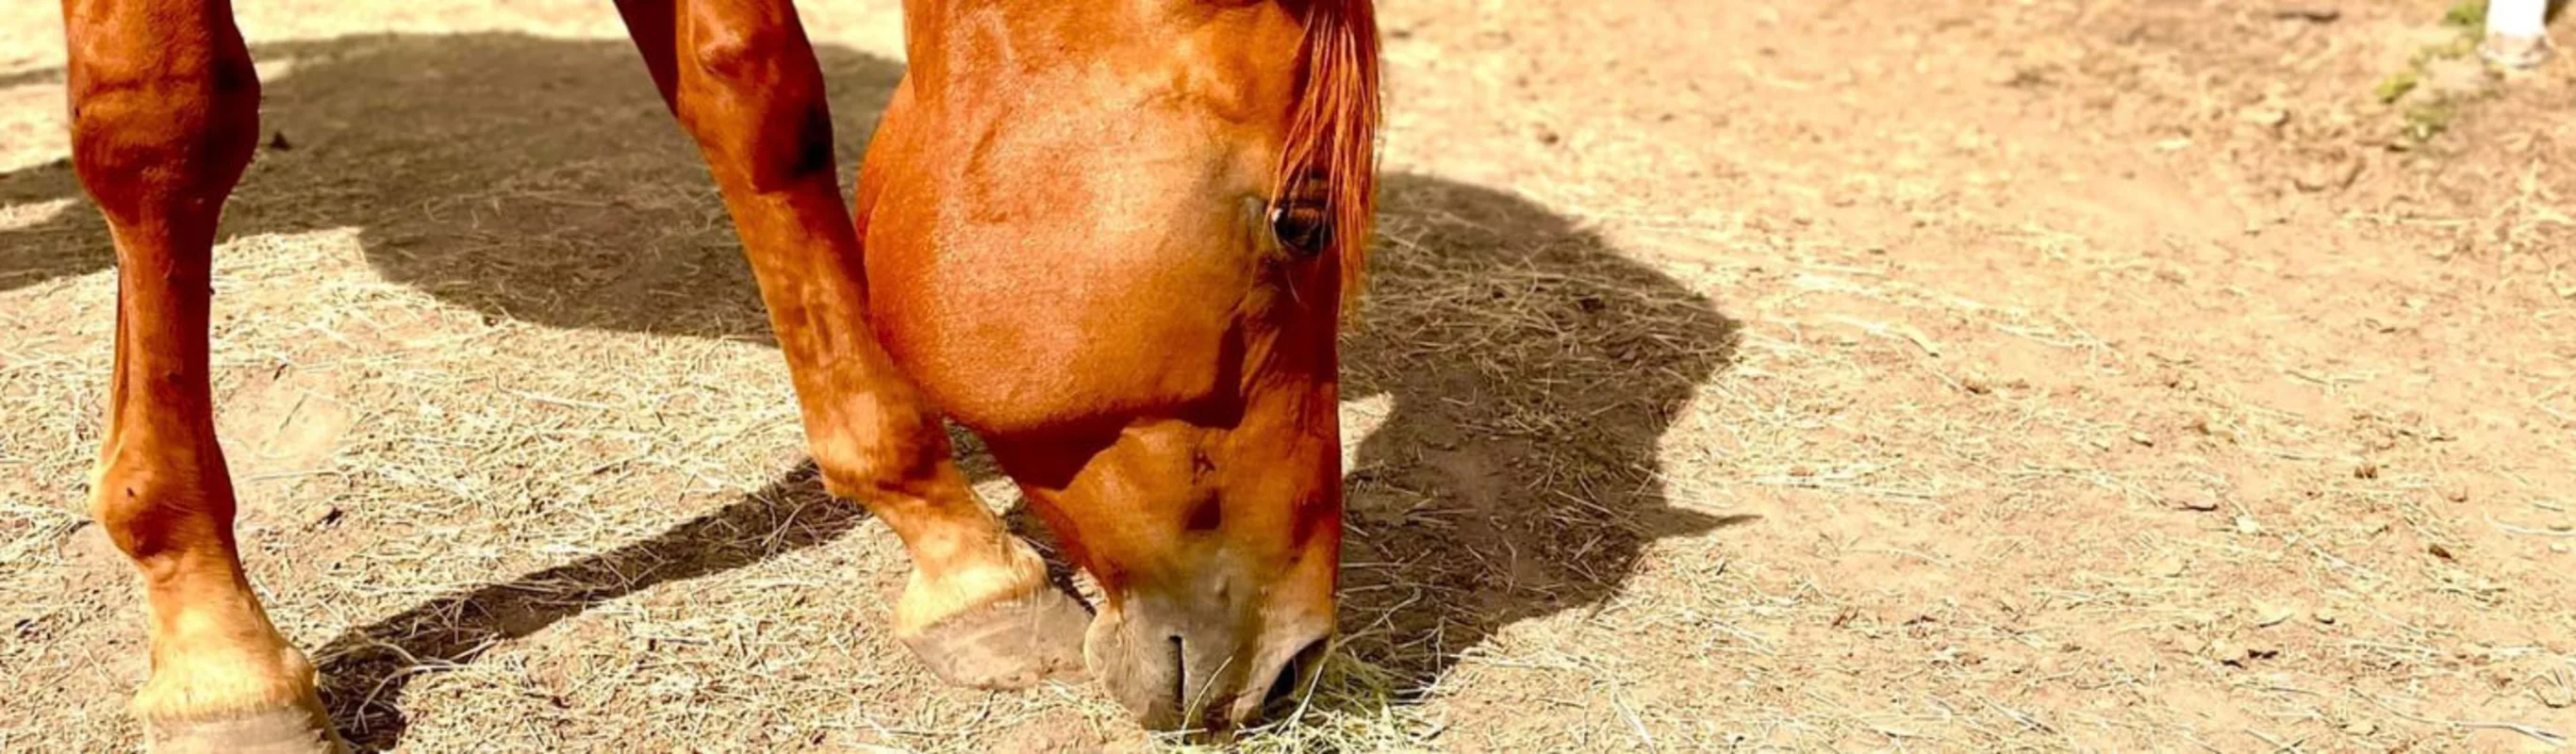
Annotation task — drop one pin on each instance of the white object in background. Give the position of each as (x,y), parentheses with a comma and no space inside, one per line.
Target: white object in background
(2516,33)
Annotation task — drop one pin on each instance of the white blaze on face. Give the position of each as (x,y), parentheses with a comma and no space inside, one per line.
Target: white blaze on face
(2517,18)
(1360,419)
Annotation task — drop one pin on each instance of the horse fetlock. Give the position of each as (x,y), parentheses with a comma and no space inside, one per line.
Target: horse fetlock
(967,578)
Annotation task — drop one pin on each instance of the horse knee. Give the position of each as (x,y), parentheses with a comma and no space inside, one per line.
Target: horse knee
(753,97)
(163,132)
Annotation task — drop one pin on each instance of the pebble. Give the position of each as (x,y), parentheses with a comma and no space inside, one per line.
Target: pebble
(2261,115)
(2259,648)
(2332,175)
(2167,566)
(2193,500)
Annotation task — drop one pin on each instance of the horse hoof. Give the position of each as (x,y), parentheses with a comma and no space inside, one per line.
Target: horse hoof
(300,729)
(1007,645)
(2515,52)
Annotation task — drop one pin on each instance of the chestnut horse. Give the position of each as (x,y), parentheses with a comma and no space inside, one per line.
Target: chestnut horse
(1112,238)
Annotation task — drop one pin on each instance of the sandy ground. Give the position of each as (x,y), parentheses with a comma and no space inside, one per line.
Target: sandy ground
(2042,375)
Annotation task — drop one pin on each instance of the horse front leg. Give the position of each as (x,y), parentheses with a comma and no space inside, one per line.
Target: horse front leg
(742,79)
(165,115)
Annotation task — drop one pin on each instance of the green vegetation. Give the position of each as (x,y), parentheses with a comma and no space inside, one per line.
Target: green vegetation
(2469,14)
(2430,119)
(2424,114)
(2397,85)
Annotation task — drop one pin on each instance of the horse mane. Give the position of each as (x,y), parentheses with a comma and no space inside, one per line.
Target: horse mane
(1334,130)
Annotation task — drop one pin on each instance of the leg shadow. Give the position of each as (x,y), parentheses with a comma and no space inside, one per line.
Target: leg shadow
(71,241)
(365,670)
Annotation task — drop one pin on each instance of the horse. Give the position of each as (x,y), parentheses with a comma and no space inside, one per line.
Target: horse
(1116,241)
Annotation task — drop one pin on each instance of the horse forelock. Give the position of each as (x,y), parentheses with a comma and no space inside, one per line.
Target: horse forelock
(1334,129)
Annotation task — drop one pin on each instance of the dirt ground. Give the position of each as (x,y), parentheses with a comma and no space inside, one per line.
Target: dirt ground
(1952,375)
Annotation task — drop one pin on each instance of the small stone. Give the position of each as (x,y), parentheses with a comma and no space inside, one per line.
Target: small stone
(2455,492)
(2167,566)
(2276,614)
(2365,470)
(2326,615)
(2439,551)
(2360,728)
(2245,525)
(2263,115)
(2141,438)
(2328,175)
(2193,500)
(1977,383)
(2260,648)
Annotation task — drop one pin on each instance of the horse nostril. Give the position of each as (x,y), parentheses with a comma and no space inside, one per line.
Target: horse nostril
(1180,676)
(1308,663)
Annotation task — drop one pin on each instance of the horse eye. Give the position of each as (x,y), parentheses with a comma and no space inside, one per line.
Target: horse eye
(1304,229)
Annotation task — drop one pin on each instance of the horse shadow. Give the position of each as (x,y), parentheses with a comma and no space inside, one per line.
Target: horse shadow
(1518,370)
